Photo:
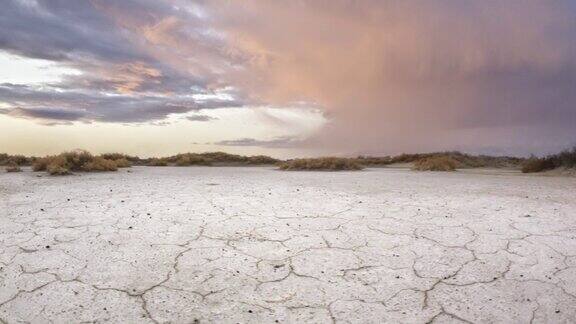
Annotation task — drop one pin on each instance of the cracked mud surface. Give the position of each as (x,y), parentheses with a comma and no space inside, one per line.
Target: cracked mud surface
(255,245)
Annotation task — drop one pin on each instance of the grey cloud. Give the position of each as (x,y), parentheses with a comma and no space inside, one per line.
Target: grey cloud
(279,142)
(46,103)
(201,118)
(47,113)
(125,76)
(61,30)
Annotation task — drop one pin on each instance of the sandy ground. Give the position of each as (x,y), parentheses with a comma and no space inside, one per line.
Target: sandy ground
(255,245)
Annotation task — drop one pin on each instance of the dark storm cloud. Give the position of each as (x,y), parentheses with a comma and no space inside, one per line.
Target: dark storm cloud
(62,31)
(124,76)
(47,103)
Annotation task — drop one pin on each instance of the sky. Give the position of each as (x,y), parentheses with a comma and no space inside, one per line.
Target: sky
(287,78)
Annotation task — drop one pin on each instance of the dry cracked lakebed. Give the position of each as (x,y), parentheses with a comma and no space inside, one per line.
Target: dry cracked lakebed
(256,245)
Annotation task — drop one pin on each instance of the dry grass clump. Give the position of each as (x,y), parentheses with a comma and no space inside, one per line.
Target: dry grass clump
(436,163)
(223,157)
(7,159)
(76,161)
(218,159)
(13,167)
(100,164)
(535,164)
(158,162)
(56,165)
(261,159)
(565,159)
(122,163)
(374,160)
(189,159)
(321,164)
(464,160)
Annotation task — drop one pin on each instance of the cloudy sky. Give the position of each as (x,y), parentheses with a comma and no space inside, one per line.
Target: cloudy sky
(287,78)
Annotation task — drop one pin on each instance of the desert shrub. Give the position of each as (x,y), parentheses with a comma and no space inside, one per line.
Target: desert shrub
(192,159)
(13,168)
(122,163)
(325,163)
(99,164)
(463,160)
(436,163)
(75,161)
(262,159)
(115,156)
(537,165)
(6,159)
(374,160)
(223,157)
(133,160)
(158,162)
(41,164)
(56,165)
(564,159)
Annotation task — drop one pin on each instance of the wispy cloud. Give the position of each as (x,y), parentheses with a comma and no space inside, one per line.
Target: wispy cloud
(200,118)
(279,142)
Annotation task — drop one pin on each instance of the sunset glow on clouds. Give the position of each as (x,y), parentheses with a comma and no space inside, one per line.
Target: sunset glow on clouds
(353,77)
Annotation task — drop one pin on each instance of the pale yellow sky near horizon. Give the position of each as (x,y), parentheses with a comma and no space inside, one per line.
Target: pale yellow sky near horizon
(28,137)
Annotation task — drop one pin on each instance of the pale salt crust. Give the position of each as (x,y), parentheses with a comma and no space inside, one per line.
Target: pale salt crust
(256,245)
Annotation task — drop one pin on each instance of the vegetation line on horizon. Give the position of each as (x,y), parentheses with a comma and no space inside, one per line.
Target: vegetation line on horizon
(84,161)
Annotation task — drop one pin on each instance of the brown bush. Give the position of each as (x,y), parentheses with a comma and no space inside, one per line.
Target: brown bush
(56,165)
(374,160)
(158,162)
(122,163)
(192,159)
(222,157)
(261,159)
(76,161)
(40,164)
(438,163)
(538,165)
(99,164)
(6,159)
(463,160)
(565,159)
(319,164)
(13,167)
